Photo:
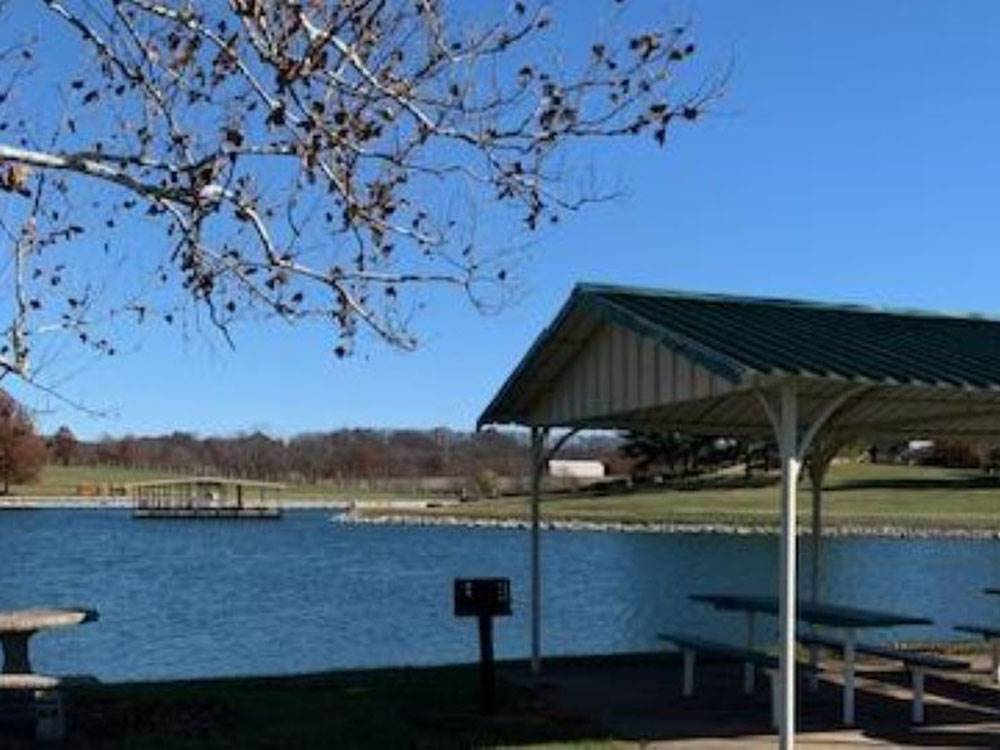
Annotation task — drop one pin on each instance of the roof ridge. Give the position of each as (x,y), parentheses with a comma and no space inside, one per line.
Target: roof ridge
(852,307)
(706,355)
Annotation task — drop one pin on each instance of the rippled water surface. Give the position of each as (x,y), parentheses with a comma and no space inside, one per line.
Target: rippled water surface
(198,598)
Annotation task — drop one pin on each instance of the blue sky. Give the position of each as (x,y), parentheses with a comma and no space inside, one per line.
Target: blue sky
(856,158)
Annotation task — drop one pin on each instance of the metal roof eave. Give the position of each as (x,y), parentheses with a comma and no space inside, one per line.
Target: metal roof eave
(489,413)
(601,305)
(983,402)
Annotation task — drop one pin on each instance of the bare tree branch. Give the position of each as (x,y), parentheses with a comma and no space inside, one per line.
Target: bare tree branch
(301,159)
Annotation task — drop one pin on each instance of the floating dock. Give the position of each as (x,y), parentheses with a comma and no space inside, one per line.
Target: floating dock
(205,497)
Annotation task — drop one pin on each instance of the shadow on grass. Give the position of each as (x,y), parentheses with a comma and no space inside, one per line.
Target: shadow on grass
(684,484)
(961,483)
(429,707)
(639,700)
(599,701)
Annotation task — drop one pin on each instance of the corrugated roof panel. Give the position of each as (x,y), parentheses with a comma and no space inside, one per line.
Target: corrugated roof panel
(802,338)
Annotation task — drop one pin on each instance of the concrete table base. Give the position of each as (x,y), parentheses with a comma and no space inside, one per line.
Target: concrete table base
(15,651)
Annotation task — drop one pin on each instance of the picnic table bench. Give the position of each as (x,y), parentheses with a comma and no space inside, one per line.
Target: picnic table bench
(690,646)
(917,664)
(31,697)
(844,618)
(18,626)
(991,633)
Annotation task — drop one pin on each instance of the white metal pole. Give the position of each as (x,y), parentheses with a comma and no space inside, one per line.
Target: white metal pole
(788,444)
(850,639)
(817,581)
(995,659)
(537,453)
(917,713)
(817,541)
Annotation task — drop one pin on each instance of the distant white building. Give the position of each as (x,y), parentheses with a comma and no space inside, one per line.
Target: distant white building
(916,450)
(576,469)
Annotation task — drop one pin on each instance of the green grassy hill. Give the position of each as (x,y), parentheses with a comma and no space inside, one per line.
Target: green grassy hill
(63,481)
(854,494)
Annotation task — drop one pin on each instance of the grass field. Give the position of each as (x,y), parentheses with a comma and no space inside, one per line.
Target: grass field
(63,481)
(854,494)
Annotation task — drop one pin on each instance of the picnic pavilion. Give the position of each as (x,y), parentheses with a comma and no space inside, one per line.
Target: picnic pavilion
(645,359)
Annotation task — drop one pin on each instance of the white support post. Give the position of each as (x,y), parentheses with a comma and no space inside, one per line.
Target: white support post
(688,672)
(784,418)
(817,582)
(817,665)
(817,542)
(788,443)
(850,638)
(537,455)
(772,676)
(995,654)
(918,695)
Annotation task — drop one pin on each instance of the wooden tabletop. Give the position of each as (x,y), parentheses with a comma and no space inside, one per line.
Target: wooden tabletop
(832,615)
(29,620)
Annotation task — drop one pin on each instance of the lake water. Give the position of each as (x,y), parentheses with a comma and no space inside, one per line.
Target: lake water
(199,598)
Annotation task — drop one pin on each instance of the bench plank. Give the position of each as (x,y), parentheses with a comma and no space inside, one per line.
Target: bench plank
(986,631)
(832,615)
(916,662)
(718,648)
(906,656)
(992,635)
(692,644)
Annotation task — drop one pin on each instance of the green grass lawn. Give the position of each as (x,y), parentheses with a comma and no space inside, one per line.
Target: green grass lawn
(63,481)
(860,494)
(854,494)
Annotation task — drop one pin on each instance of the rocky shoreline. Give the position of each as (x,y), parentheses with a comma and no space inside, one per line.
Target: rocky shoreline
(749,529)
(343,514)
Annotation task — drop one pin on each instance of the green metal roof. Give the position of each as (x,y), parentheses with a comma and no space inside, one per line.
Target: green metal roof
(739,337)
(808,338)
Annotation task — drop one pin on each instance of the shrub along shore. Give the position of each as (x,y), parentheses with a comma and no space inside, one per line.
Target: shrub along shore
(858,500)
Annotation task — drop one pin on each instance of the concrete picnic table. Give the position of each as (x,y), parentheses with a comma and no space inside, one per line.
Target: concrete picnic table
(17,627)
(847,619)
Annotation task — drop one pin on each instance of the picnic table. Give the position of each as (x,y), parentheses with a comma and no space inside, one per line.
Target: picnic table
(18,626)
(846,619)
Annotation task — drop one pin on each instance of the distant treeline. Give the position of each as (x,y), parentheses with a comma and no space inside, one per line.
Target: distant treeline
(370,454)
(354,454)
